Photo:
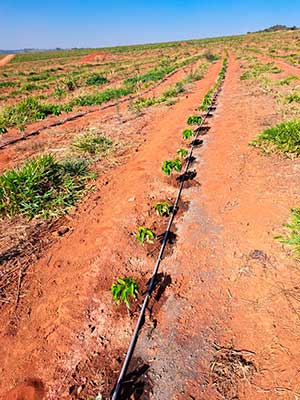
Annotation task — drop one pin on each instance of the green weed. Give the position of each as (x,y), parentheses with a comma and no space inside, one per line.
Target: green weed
(27,110)
(92,143)
(43,187)
(96,79)
(293,237)
(284,137)
(293,97)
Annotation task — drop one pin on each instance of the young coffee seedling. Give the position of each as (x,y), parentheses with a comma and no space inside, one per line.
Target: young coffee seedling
(123,289)
(194,120)
(187,134)
(170,165)
(162,208)
(145,235)
(182,153)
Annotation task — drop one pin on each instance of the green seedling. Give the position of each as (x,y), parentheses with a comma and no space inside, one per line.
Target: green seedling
(162,208)
(145,235)
(194,120)
(123,289)
(187,133)
(182,153)
(170,165)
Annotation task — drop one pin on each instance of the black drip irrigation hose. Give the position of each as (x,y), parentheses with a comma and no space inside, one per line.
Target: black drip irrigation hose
(130,351)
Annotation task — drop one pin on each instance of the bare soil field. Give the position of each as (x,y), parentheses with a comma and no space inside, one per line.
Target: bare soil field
(223,320)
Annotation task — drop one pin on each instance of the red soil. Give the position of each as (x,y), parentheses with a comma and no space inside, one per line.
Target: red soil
(5,60)
(81,267)
(228,326)
(99,56)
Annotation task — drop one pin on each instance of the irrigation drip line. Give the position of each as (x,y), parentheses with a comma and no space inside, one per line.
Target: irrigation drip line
(134,337)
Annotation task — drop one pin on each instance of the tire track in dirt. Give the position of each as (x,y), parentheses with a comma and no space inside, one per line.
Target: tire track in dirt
(68,313)
(5,60)
(226,328)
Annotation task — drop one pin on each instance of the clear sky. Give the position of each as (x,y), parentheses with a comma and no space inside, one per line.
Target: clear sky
(96,23)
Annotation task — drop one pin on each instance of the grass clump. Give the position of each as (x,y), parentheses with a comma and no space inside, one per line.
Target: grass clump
(92,143)
(96,79)
(257,69)
(170,93)
(43,187)
(293,237)
(27,110)
(284,137)
(293,97)
(8,83)
(100,97)
(288,80)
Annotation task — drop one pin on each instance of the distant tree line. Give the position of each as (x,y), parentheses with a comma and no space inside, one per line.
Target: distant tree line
(276,28)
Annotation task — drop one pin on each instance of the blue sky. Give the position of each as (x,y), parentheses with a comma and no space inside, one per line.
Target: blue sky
(92,23)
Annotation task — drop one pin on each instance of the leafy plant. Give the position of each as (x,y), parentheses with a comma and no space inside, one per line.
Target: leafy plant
(210,56)
(194,120)
(293,237)
(70,84)
(145,235)
(170,165)
(182,153)
(207,101)
(96,79)
(162,208)
(100,97)
(92,143)
(43,187)
(284,137)
(187,133)
(123,289)
(27,110)
(293,97)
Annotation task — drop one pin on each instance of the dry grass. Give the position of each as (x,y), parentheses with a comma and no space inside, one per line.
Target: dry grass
(229,368)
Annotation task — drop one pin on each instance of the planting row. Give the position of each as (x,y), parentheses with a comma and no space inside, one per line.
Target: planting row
(127,287)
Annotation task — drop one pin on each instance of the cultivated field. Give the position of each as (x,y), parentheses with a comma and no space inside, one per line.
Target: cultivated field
(108,156)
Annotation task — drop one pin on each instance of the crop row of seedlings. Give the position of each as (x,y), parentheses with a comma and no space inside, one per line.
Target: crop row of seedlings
(32,109)
(127,287)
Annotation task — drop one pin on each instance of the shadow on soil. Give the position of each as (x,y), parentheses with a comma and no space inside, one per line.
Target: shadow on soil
(187,176)
(137,385)
(197,142)
(203,130)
